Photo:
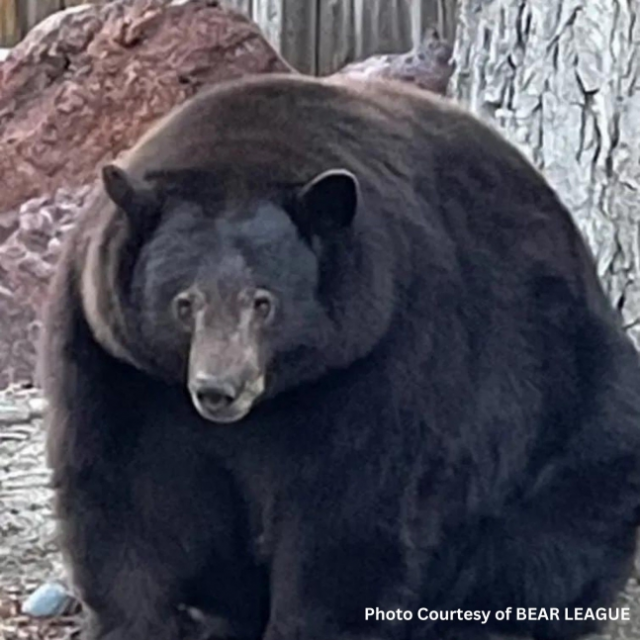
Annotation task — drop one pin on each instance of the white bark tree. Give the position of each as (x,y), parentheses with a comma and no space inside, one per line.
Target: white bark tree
(561,79)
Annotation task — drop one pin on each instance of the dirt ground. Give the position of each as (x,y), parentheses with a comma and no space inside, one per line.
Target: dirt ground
(28,555)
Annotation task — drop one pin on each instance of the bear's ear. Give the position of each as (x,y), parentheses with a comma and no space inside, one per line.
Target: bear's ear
(125,192)
(327,203)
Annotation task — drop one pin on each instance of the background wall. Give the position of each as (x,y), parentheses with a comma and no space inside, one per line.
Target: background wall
(315,36)
(321,36)
(18,16)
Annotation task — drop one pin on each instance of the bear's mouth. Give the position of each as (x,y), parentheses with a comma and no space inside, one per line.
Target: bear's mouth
(223,409)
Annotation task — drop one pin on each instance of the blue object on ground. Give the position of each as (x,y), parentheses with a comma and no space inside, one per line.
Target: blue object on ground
(49,599)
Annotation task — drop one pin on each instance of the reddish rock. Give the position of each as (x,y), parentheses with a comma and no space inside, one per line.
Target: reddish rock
(428,66)
(87,82)
(81,88)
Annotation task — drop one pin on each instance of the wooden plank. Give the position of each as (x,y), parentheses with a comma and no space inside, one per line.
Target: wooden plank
(289,25)
(335,46)
(397,38)
(31,12)
(356,29)
(448,16)
(10,32)
(381,26)
(440,14)
(299,34)
(18,17)
(393,29)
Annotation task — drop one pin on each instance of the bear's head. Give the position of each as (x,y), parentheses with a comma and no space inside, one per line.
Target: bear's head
(240,298)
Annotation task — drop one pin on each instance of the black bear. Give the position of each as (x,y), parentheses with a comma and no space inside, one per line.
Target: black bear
(321,347)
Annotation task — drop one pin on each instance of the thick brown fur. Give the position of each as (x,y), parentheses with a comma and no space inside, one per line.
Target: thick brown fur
(471,441)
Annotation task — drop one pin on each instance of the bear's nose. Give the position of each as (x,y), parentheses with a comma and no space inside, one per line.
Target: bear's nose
(214,393)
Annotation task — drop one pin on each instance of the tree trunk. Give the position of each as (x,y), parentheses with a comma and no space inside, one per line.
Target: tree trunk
(559,78)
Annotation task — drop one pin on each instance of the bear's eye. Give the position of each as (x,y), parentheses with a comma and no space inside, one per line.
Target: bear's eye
(264,305)
(183,309)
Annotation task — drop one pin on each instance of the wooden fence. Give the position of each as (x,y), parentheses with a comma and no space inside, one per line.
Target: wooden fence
(18,16)
(315,36)
(320,36)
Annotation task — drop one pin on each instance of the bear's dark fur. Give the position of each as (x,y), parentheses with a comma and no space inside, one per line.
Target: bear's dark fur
(433,403)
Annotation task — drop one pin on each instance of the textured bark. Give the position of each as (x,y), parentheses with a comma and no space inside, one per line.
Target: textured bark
(559,78)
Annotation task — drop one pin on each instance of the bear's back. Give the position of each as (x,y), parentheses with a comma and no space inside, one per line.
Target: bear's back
(415,154)
(284,129)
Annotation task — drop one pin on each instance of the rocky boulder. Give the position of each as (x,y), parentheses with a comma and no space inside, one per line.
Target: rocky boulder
(428,66)
(85,83)
(30,243)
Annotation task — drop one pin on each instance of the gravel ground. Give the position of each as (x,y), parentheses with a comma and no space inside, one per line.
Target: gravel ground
(28,555)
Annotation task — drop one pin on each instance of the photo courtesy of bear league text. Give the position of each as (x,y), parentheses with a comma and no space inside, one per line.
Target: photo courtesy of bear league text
(517,613)
(327,351)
